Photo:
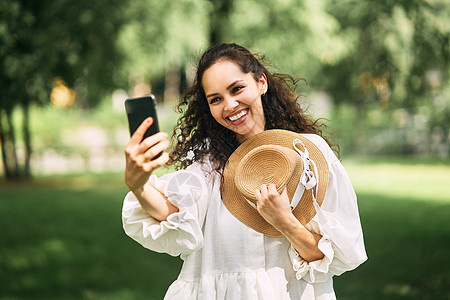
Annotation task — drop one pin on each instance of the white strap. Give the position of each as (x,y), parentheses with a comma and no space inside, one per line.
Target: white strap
(311,179)
(297,196)
(308,178)
(251,203)
(317,180)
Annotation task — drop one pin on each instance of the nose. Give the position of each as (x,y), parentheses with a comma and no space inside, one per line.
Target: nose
(230,103)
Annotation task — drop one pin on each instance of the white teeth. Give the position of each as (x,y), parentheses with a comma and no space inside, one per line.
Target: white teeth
(238,116)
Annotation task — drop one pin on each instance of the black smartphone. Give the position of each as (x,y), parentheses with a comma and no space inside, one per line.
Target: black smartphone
(140,108)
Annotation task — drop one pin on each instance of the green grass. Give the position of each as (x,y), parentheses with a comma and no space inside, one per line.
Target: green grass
(414,179)
(62,238)
(405,209)
(407,243)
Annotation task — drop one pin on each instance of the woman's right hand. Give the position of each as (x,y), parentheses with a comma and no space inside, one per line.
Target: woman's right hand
(139,156)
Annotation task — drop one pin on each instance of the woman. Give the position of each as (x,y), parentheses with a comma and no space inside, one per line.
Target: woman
(233,100)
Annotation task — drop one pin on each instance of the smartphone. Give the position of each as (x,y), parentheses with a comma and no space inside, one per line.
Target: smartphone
(140,108)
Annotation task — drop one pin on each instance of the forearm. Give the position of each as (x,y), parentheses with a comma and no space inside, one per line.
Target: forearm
(154,202)
(276,210)
(305,242)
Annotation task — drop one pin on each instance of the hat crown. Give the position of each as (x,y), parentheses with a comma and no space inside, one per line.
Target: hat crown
(266,164)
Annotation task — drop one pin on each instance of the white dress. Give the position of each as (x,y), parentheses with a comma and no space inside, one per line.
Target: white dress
(225,259)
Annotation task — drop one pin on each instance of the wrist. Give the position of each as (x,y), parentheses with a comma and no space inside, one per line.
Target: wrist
(289,225)
(138,191)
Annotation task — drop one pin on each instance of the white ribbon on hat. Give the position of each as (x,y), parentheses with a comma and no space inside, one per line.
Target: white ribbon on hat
(311,180)
(251,203)
(308,178)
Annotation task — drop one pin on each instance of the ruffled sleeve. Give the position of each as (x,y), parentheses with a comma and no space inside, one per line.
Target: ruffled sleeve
(338,222)
(181,233)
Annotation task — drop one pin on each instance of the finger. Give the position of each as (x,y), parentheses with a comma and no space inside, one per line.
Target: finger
(272,189)
(284,193)
(263,190)
(156,149)
(137,136)
(151,141)
(153,164)
(258,195)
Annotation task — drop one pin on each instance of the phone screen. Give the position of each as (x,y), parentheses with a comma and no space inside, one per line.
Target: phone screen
(140,108)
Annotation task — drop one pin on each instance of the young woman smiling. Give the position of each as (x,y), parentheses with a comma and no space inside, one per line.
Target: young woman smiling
(236,105)
(234,98)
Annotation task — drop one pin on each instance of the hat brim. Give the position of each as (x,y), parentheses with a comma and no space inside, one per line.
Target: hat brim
(238,205)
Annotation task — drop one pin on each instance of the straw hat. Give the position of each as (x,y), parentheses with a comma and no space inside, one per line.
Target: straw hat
(274,156)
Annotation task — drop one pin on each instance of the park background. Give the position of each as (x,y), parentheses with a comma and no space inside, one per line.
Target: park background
(377,72)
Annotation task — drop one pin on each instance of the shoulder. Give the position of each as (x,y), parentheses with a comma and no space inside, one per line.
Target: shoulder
(317,140)
(203,168)
(322,145)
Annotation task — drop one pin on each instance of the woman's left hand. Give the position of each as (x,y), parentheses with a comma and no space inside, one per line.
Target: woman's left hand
(276,209)
(272,206)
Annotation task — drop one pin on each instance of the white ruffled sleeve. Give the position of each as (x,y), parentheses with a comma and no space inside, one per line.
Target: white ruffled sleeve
(338,222)
(181,233)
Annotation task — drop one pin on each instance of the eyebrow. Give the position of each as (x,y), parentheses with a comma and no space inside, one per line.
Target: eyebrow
(228,88)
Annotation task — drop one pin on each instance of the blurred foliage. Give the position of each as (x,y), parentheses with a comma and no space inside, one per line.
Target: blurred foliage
(46,39)
(161,35)
(41,41)
(386,58)
(401,61)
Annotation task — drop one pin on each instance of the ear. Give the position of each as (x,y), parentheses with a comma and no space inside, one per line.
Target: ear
(262,82)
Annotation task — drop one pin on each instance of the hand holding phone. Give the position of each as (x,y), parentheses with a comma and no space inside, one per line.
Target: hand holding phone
(145,142)
(140,108)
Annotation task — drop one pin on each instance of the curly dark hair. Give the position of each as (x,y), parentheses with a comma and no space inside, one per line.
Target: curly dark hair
(198,136)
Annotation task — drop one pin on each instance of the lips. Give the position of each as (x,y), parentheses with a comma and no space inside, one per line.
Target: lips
(238,116)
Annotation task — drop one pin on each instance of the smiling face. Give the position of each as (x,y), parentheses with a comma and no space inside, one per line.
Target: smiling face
(234,98)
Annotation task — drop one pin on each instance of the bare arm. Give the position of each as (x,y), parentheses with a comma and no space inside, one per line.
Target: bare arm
(275,209)
(139,167)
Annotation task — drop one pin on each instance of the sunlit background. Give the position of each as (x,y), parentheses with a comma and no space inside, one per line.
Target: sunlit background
(377,72)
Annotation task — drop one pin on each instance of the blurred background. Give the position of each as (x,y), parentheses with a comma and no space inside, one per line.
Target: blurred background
(377,73)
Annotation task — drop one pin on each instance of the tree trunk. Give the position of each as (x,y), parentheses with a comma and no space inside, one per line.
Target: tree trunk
(9,155)
(172,84)
(12,145)
(12,134)
(27,138)
(220,15)
(3,147)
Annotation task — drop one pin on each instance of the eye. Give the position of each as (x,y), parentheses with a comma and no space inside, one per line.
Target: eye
(214,100)
(237,88)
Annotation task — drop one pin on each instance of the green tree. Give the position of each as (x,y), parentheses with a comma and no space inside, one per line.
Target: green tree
(400,60)
(379,55)
(159,39)
(219,20)
(42,40)
(298,36)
